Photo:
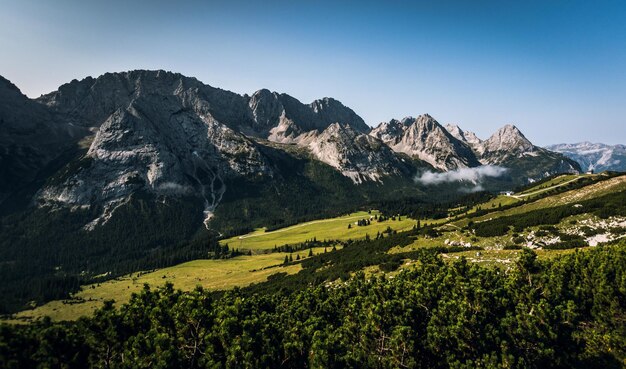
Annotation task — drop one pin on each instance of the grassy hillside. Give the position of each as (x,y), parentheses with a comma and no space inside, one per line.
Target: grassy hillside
(323,229)
(548,187)
(555,224)
(542,199)
(224,274)
(386,253)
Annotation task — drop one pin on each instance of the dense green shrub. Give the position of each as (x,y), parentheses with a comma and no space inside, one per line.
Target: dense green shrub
(569,312)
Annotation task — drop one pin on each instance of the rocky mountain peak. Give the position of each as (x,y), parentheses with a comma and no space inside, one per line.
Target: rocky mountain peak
(465,136)
(425,119)
(509,147)
(391,131)
(406,121)
(425,139)
(354,154)
(89,102)
(331,111)
(285,119)
(6,86)
(508,138)
(156,145)
(266,108)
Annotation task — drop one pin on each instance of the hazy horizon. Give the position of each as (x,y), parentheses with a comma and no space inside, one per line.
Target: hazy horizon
(554,70)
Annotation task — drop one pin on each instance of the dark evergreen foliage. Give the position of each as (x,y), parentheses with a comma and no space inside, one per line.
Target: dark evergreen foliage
(569,312)
(46,254)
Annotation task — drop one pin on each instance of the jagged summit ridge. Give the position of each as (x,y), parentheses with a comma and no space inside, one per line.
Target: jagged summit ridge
(170,135)
(91,100)
(166,134)
(282,118)
(268,115)
(356,155)
(506,142)
(425,139)
(465,136)
(157,146)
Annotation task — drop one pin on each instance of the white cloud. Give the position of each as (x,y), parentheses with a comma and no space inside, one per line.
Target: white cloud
(472,175)
(175,188)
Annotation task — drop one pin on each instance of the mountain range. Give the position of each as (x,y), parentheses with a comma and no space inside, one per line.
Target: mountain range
(596,157)
(99,140)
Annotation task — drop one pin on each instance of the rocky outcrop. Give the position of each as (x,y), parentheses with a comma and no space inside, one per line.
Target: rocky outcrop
(425,139)
(356,155)
(30,138)
(465,136)
(282,118)
(508,147)
(91,101)
(453,148)
(165,145)
(507,142)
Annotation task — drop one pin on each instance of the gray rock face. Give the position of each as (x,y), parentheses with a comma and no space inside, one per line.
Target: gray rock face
(30,138)
(509,147)
(91,101)
(507,142)
(464,136)
(166,145)
(171,135)
(333,133)
(452,148)
(424,138)
(356,155)
(266,109)
(269,115)
(594,156)
(281,118)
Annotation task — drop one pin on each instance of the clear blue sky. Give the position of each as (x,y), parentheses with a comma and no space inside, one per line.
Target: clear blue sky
(556,69)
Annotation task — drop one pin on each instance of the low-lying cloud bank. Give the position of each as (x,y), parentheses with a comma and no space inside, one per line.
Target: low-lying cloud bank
(472,175)
(175,188)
